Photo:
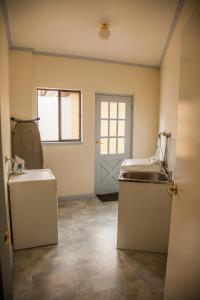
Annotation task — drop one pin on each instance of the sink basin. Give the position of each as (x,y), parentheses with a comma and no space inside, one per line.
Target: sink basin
(143,176)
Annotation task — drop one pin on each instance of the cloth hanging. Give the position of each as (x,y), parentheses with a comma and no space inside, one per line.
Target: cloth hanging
(26,144)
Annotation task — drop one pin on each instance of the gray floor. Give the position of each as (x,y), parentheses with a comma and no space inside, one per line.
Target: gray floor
(85,264)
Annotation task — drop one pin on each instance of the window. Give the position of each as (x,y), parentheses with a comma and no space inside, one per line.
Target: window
(112,131)
(60,115)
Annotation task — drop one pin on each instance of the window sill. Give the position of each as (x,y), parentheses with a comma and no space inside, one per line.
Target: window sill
(62,143)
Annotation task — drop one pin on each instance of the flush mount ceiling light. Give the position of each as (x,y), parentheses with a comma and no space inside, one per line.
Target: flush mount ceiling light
(104,31)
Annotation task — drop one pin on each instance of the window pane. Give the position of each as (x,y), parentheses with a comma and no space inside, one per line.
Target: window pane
(104,110)
(70,115)
(104,128)
(121,110)
(112,146)
(113,128)
(120,148)
(104,146)
(121,128)
(113,110)
(48,114)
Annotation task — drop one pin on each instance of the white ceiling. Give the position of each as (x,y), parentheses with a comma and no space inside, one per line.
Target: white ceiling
(139,28)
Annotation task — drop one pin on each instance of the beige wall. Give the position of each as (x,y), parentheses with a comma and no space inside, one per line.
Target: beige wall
(21,84)
(169,84)
(4,102)
(74,165)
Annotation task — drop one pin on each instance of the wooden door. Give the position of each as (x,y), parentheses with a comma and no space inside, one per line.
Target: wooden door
(5,259)
(183,265)
(113,139)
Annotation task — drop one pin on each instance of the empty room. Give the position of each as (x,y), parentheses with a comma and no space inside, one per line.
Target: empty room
(99,149)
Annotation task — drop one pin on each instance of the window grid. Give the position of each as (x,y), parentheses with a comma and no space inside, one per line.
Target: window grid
(117,128)
(113,140)
(108,145)
(60,117)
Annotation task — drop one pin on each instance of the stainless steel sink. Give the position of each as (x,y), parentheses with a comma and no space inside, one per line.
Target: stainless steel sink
(155,177)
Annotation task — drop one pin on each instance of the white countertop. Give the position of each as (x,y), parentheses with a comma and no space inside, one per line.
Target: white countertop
(32,175)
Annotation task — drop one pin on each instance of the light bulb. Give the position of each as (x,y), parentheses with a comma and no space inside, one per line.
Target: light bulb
(104,31)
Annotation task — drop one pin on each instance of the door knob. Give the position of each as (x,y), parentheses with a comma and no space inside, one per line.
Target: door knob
(173,190)
(98,142)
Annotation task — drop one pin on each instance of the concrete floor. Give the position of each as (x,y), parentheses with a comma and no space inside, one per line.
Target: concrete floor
(85,264)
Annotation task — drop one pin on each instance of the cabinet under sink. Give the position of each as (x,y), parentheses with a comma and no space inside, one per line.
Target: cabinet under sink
(144,211)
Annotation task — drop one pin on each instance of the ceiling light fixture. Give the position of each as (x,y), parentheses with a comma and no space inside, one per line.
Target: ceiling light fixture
(104,31)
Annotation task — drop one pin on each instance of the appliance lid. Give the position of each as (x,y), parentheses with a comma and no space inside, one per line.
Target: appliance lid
(32,175)
(142,164)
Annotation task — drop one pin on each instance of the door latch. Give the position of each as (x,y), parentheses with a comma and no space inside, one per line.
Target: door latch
(98,142)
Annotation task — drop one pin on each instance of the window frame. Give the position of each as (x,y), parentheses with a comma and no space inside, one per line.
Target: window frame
(60,140)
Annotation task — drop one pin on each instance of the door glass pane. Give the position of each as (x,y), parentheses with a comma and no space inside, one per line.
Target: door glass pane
(48,114)
(121,128)
(112,146)
(104,127)
(120,146)
(113,128)
(104,146)
(121,110)
(70,112)
(113,110)
(104,110)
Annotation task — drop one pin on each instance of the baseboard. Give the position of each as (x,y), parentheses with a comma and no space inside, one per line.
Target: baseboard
(77,197)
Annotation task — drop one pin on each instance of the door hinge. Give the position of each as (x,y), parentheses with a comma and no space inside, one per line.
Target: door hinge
(6,238)
(173,190)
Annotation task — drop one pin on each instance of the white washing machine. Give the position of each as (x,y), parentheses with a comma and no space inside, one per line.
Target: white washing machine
(33,205)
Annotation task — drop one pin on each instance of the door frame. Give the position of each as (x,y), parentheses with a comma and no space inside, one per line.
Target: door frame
(5,259)
(131,129)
